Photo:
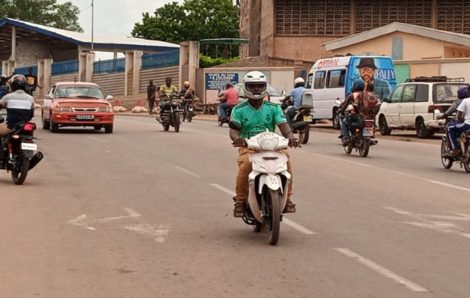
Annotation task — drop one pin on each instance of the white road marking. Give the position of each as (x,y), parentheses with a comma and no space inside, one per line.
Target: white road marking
(223,189)
(187,172)
(390,171)
(435,222)
(379,269)
(287,221)
(297,227)
(158,232)
(82,220)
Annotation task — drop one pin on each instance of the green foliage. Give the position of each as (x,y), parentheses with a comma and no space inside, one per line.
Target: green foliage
(206,61)
(43,12)
(193,20)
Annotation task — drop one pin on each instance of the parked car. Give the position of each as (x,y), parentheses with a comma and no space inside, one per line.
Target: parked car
(77,104)
(412,105)
(275,95)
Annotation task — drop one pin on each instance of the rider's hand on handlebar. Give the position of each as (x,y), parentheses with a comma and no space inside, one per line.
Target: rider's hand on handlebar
(240,142)
(294,142)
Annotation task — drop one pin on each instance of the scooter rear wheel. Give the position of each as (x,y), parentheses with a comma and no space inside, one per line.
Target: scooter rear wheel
(364,148)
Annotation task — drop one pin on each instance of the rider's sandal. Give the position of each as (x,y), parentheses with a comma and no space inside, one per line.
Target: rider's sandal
(290,207)
(238,210)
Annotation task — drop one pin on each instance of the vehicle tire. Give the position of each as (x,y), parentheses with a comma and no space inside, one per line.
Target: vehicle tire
(348,149)
(108,128)
(176,122)
(190,116)
(219,121)
(306,135)
(446,162)
(421,131)
(336,120)
(273,224)
(364,148)
(166,127)
(383,126)
(45,124)
(466,165)
(54,126)
(20,170)
(184,115)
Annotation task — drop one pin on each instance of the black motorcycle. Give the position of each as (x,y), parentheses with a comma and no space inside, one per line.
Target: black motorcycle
(171,112)
(299,118)
(18,152)
(188,108)
(464,145)
(221,119)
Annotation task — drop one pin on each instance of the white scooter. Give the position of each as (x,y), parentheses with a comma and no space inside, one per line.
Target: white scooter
(268,182)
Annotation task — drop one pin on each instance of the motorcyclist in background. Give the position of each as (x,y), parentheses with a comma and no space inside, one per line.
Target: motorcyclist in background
(296,95)
(249,119)
(186,92)
(461,94)
(228,99)
(353,98)
(166,91)
(4,88)
(463,120)
(19,104)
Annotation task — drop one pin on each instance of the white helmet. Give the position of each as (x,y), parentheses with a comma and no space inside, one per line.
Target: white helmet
(299,80)
(255,78)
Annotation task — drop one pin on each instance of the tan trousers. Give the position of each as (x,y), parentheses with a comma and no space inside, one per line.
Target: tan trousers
(4,129)
(244,169)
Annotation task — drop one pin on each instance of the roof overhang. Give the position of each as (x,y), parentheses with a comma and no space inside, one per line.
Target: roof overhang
(100,42)
(451,37)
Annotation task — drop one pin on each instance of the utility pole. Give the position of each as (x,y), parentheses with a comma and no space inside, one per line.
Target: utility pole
(92,26)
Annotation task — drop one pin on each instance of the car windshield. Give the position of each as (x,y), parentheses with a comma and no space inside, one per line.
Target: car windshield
(78,92)
(445,92)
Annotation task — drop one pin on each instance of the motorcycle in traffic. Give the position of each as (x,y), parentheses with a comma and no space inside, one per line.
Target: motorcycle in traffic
(299,118)
(170,112)
(18,152)
(464,145)
(268,184)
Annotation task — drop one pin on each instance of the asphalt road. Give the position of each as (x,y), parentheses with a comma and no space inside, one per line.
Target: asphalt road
(147,213)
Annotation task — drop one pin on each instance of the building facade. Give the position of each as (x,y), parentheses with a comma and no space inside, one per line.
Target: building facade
(298,29)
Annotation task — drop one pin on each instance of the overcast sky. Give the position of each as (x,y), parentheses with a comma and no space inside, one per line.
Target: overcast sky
(114,17)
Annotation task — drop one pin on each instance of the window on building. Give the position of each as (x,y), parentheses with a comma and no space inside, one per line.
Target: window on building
(306,17)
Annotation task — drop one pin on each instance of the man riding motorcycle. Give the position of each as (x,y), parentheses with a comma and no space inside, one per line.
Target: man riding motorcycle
(462,124)
(228,99)
(353,98)
(19,104)
(166,91)
(248,119)
(296,95)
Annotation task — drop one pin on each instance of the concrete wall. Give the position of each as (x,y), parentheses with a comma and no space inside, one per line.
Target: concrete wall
(28,52)
(306,48)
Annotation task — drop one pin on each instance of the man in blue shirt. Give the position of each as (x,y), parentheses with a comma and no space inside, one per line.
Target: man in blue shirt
(296,95)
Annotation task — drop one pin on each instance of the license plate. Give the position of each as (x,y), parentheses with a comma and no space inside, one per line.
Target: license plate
(308,118)
(29,146)
(85,117)
(367,131)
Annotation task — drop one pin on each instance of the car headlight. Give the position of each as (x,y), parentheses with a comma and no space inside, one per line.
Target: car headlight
(62,109)
(105,109)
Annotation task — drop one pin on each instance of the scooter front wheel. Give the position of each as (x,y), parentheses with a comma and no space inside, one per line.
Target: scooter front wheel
(273,222)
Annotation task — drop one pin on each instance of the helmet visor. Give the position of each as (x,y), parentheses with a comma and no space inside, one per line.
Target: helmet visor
(256,88)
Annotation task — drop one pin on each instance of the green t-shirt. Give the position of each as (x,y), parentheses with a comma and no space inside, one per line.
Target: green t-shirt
(253,121)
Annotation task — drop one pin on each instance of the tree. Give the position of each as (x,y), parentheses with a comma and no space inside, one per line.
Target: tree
(43,12)
(193,20)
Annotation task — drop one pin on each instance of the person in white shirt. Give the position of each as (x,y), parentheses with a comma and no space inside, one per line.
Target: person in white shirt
(462,124)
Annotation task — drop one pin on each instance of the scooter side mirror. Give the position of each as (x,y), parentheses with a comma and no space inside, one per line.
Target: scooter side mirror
(338,101)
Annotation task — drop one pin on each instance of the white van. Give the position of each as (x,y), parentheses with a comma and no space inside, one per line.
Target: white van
(331,79)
